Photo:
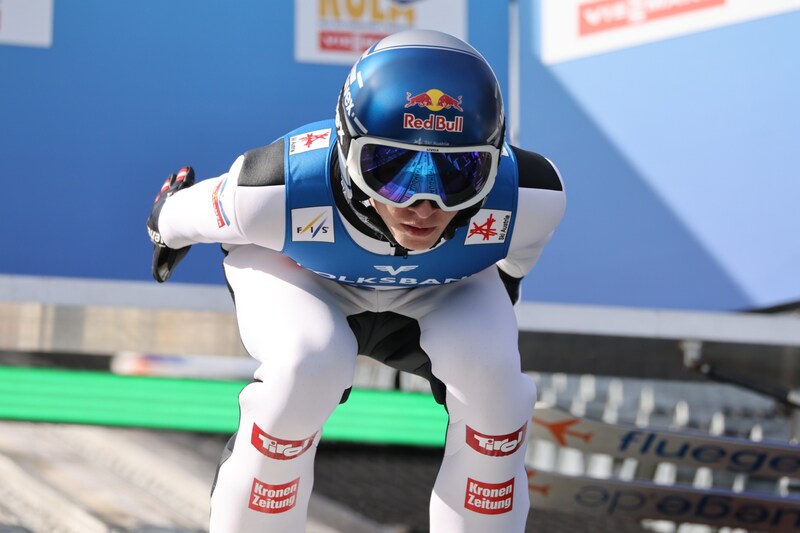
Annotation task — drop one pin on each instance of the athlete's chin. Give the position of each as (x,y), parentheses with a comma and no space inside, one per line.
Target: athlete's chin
(417,242)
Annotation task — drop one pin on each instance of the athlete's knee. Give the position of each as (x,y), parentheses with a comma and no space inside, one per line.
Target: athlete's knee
(481,347)
(526,391)
(293,412)
(498,398)
(478,369)
(516,394)
(312,364)
(298,365)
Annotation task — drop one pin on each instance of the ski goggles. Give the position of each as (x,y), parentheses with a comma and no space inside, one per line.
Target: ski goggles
(400,174)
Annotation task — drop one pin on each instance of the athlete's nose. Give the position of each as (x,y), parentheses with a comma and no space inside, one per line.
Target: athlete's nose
(423,208)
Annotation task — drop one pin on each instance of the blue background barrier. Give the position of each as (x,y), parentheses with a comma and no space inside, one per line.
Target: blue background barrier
(682,186)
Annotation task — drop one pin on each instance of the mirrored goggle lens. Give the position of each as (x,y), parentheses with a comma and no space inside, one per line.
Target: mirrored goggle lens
(398,174)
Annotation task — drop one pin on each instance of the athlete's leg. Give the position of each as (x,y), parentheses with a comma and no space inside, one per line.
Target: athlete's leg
(307,352)
(471,338)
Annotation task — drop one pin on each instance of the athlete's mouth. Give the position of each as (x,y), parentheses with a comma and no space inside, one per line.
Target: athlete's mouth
(417,231)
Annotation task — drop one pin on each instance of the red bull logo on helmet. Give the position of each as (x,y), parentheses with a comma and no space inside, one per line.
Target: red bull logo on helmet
(433,100)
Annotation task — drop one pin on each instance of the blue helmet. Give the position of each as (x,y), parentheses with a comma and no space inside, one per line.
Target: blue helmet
(420,116)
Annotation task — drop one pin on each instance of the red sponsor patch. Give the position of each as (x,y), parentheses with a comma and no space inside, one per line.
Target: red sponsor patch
(271,499)
(276,448)
(605,15)
(496,445)
(489,498)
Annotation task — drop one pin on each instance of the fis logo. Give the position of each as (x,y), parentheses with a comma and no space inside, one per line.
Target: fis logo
(496,445)
(313,224)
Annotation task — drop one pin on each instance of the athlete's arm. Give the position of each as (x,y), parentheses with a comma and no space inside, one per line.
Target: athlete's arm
(246,205)
(540,208)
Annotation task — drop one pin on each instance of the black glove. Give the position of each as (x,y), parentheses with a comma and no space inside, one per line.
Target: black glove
(164,258)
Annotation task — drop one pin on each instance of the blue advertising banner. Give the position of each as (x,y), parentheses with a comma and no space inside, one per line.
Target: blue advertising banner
(676,150)
(674,125)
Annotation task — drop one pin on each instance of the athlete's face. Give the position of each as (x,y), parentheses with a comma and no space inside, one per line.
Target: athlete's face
(416,227)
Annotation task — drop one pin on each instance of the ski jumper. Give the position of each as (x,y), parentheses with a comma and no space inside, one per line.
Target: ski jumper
(313,289)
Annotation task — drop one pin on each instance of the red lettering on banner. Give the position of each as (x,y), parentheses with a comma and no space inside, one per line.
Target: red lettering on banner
(341,41)
(489,498)
(272,499)
(347,41)
(605,15)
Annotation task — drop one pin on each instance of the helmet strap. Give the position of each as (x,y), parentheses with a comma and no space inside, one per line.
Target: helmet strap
(462,218)
(357,203)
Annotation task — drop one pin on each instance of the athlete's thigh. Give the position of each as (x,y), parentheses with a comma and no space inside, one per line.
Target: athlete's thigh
(285,312)
(470,331)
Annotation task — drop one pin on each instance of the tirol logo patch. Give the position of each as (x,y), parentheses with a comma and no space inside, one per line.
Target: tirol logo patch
(313,224)
(489,226)
(496,445)
(272,499)
(312,140)
(489,498)
(279,449)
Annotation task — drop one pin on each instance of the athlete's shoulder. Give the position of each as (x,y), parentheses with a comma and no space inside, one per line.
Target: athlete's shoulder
(536,171)
(542,200)
(265,166)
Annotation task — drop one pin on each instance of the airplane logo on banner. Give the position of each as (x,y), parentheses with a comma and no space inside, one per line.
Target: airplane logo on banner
(653,445)
(560,430)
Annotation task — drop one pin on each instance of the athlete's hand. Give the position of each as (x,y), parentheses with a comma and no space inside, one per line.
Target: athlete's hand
(164,258)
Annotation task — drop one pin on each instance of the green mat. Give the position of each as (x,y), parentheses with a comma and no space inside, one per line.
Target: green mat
(88,397)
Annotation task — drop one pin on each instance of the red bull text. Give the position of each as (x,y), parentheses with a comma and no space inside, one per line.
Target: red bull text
(433,100)
(433,123)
